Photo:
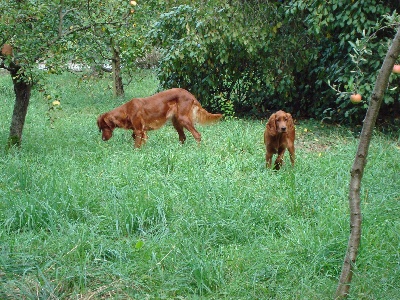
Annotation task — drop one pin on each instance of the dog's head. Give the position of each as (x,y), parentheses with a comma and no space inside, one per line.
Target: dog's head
(106,126)
(280,122)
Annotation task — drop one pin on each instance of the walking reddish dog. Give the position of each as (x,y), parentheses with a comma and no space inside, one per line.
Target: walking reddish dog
(145,114)
(279,134)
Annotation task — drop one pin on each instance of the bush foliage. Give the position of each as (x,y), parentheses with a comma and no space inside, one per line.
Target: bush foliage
(251,57)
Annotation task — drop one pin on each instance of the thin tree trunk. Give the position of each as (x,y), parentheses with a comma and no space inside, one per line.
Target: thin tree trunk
(359,165)
(22,92)
(118,87)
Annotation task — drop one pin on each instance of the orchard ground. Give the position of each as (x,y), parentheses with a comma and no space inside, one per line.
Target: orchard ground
(85,219)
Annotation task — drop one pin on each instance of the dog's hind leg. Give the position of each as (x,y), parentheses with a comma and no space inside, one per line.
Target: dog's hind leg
(292,154)
(179,129)
(188,124)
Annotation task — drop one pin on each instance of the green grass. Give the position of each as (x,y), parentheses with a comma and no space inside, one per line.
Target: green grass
(85,219)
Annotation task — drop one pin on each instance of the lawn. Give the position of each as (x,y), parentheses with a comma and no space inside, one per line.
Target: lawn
(85,219)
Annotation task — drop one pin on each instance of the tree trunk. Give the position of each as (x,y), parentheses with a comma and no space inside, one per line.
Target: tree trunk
(118,87)
(359,165)
(22,92)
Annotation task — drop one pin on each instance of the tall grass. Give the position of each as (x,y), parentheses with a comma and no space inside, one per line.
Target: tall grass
(85,219)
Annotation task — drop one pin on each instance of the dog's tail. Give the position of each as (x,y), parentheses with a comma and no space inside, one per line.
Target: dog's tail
(201,116)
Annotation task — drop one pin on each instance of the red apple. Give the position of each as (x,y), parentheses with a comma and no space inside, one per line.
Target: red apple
(396,69)
(7,50)
(355,98)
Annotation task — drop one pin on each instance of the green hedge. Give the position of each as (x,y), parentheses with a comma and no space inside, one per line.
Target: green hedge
(251,58)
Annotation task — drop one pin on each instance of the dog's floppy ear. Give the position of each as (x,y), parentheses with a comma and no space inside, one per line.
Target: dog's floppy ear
(271,125)
(109,121)
(106,120)
(290,123)
(99,119)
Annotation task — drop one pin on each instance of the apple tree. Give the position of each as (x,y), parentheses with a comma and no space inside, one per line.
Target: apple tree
(360,160)
(349,38)
(55,33)
(34,32)
(113,38)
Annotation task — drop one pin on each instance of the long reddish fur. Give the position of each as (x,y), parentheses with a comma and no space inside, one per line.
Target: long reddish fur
(279,135)
(145,114)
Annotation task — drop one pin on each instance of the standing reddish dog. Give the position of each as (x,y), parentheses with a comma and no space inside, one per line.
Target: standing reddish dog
(144,114)
(279,134)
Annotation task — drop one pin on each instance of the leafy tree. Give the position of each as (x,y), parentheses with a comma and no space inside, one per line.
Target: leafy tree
(33,34)
(113,37)
(53,32)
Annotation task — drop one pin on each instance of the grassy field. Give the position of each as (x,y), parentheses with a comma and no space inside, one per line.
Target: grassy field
(85,219)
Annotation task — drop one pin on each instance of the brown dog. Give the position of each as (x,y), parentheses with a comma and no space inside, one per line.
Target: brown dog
(144,114)
(279,134)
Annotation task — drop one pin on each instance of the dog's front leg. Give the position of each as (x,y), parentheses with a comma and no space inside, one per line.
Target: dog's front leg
(140,138)
(279,159)
(268,159)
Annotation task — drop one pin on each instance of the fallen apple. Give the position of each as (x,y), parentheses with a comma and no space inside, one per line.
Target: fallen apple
(396,69)
(355,98)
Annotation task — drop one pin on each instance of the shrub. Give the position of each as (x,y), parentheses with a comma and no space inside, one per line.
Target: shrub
(304,57)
